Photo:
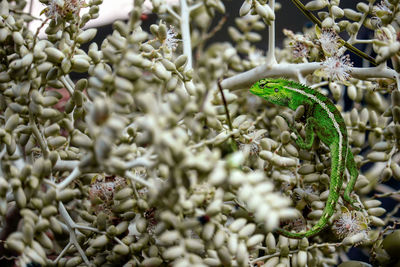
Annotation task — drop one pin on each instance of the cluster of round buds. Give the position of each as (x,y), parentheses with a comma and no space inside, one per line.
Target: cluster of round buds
(387,43)
(246,34)
(258,197)
(294,252)
(257,7)
(384,12)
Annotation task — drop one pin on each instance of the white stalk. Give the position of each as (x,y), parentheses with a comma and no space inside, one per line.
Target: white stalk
(67,86)
(73,175)
(135,178)
(142,161)
(66,165)
(246,79)
(185,31)
(71,229)
(271,60)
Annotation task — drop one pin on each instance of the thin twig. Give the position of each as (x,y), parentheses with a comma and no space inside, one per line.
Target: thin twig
(375,243)
(173,13)
(67,86)
(388,194)
(135,178)
(73,175)
(216,29)
(38,136)
(228,117)
(195,6)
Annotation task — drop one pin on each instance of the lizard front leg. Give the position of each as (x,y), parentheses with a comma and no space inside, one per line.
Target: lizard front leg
(310,134)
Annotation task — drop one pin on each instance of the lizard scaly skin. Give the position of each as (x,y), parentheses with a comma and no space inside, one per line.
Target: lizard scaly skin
(324,120)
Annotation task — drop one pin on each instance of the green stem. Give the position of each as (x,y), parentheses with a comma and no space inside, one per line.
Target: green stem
(316,21)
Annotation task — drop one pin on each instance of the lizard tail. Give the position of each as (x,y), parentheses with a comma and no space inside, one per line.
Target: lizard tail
(327,213)
(337,173)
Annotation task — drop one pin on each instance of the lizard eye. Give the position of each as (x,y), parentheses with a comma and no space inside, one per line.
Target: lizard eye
(276,90)
(262,85)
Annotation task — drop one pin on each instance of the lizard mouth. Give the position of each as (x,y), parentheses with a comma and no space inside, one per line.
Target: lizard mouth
(256,90)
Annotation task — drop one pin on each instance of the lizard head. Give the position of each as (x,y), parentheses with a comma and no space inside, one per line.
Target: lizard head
(272,90)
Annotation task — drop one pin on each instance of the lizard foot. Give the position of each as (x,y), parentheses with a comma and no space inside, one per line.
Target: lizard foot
(352,202)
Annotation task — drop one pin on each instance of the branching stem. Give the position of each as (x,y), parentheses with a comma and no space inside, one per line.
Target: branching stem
(38,136)
(73,175)
(289,70)
(71,229)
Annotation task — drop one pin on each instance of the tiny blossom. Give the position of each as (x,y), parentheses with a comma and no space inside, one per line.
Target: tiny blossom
(101,192)
(253,145)
(256,56)
(349,223)
(299,43)
(337,68)
(60,9)
(376,22)
(383,6)
(299,50)
(171,41)
(329,41)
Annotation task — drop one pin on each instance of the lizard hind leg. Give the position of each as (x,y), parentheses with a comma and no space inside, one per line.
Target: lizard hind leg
(352,168)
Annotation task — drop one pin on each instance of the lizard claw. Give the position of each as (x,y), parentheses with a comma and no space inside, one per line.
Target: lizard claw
(352,202)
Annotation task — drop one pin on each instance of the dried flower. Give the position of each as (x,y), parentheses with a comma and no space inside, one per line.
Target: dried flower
(102,190)
(299,50)
(337,68)
(300,44)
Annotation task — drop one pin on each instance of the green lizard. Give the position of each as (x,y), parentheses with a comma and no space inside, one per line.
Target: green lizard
(324,120)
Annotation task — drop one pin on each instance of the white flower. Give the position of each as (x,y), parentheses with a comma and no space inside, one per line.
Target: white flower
(383,7)
(337,68)
(256,57)
(171,42)
(62,8)
(349,223)
(253,145)
(329,41)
